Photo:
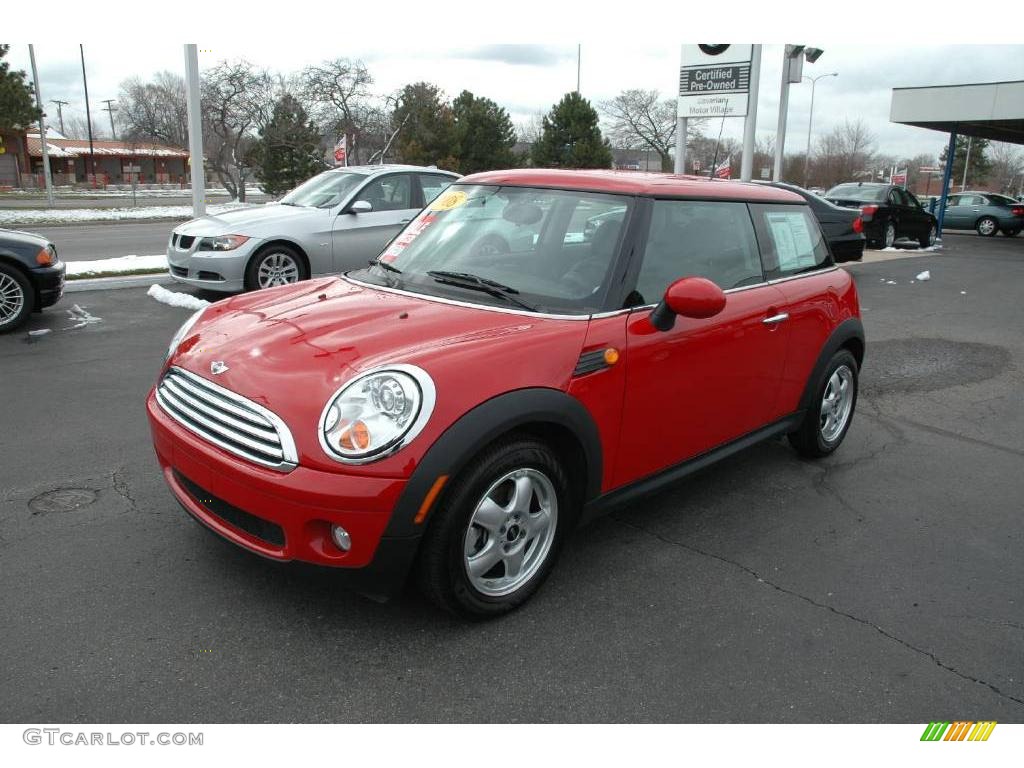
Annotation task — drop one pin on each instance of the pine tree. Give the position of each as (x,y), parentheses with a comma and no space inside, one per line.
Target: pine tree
(980,165)
(288,150)
(483,135)
(571,137)
(17,99)
(425,127)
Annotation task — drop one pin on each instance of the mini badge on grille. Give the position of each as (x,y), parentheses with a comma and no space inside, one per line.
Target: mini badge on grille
(218,367)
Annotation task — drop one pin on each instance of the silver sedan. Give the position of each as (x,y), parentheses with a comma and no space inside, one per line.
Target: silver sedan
(334,222)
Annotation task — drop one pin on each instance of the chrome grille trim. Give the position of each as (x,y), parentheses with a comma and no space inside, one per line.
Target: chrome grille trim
(227,420)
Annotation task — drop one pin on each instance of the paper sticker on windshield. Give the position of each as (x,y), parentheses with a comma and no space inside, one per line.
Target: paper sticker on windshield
(409,234)
(453,198)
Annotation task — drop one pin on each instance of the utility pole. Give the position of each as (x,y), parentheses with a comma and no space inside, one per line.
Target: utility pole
(967,162)
(810,123)
(60,115)
(110,111)
(88,115)
(195,131)
(750,124)
(42,127)
(579,55)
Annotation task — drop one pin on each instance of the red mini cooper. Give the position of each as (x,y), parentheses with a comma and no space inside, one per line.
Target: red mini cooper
(535,347)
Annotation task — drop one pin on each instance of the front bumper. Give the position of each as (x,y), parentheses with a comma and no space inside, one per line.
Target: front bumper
(212,270)
(285,516)
(49,284)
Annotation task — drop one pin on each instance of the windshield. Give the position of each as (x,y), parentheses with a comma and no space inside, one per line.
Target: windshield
(323,191)
(858,193)
(542,249)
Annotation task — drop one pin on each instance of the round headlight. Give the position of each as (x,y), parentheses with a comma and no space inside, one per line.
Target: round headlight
(377,413)
(182,333)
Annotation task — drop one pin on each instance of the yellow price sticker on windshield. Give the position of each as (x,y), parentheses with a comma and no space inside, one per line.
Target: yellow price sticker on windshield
(449,200)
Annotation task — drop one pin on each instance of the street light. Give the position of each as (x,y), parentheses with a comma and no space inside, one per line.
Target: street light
(810,122)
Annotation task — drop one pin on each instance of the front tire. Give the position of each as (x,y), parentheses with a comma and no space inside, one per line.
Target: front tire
(496,533)
(830,414)
(17,298)
(987,226)
(273,266)
(889,235)
(927,240)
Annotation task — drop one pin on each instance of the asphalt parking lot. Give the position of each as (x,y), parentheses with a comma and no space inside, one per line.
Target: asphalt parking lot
(882,584)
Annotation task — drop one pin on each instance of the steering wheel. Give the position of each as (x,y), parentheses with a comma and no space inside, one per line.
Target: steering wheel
(489,246)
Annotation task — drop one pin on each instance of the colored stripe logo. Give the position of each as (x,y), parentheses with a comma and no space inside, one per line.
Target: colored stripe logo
(961,730)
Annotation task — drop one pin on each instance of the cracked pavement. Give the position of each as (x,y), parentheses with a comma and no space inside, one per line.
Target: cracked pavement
(883,584)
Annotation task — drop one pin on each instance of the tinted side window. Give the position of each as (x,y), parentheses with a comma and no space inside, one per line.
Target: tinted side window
(703,239)
(791,241)
(433,184)
(389,193)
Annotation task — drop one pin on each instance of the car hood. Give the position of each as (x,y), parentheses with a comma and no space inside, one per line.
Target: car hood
(255,221)
(15,237)
(291,348)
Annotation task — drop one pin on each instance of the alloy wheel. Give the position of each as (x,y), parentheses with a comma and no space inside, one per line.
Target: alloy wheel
(987,227)
(836,403)
(277,269)
(931,236)
(12,298)
(890,235)
(511,532)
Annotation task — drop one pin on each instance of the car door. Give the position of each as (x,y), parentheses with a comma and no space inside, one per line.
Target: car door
(899,207)
(956,212)
(432,185)
(919,219)
(360,236)
(703,382)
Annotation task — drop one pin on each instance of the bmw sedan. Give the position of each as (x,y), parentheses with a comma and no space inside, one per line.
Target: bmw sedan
(889,213)
(334,222)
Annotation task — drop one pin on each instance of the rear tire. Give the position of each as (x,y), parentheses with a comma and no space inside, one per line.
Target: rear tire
(17,298)
(927,240)
(889,235)
(497,531)
(830,414)
(987,226)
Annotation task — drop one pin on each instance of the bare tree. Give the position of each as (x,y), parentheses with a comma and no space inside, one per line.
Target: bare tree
(237,100)
(338,95)
(844,154)
(1007,166)
(154,111)
(639,119)
(76,127)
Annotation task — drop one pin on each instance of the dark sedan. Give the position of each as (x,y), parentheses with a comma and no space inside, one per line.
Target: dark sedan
(890,213)
(843,227)
(31,277)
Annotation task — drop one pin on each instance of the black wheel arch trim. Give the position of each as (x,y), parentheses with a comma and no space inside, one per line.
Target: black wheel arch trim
(482,425)
(849,330)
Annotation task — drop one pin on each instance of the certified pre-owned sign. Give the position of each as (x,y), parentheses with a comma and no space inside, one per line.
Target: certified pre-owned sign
(714,80)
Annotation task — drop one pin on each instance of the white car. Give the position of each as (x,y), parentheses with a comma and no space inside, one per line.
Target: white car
(334,222)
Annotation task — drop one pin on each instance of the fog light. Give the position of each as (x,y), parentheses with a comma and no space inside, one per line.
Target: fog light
(341,538)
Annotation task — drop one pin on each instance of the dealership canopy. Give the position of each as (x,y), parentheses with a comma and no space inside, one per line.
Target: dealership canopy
(986,110)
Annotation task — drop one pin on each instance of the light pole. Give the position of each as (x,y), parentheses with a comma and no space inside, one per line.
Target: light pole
(810,123)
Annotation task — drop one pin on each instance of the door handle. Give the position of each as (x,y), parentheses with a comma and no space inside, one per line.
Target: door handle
(776,319)
(405,221)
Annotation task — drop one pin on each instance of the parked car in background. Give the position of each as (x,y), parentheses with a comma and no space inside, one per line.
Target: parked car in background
(334,222)
(454,411)
(984,212)
(889,213)
(31,277)
(843,227)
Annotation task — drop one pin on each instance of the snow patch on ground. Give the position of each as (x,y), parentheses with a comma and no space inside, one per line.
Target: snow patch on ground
(22,216)
(80,317)
(175,299)
(119,264)
(926,275)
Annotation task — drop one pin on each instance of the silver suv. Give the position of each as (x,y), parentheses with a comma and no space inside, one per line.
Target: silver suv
(334,222)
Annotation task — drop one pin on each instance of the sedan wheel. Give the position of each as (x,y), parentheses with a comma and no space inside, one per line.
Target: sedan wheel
(890,235)
(987,226)
(16,299)
(277,268)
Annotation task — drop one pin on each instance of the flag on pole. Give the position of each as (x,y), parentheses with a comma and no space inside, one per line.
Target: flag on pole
(724,169)
(341,151)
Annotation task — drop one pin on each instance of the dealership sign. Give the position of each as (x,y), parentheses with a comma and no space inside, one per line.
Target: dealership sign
(714,80)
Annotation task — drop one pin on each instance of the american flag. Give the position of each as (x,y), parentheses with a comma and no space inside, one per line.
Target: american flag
(724,169)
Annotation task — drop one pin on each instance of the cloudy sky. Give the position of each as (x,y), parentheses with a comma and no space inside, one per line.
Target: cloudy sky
(526,79)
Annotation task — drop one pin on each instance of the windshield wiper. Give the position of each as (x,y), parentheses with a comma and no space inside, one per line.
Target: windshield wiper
(477,283)
(385,265)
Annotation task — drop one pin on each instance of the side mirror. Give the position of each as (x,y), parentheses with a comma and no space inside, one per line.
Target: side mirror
(695,297)
(360,206)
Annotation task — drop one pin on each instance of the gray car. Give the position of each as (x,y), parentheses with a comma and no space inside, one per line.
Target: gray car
(984,212)
(334,222)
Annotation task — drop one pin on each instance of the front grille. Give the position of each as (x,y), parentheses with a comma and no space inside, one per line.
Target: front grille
(185,242)
(213,276)
(264,530)
(227,420)
(179,271)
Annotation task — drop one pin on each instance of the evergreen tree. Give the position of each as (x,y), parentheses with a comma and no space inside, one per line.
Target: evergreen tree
(483,135)
(571,137)
(980,165)
(288,150)
(17,99)
(425,127)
